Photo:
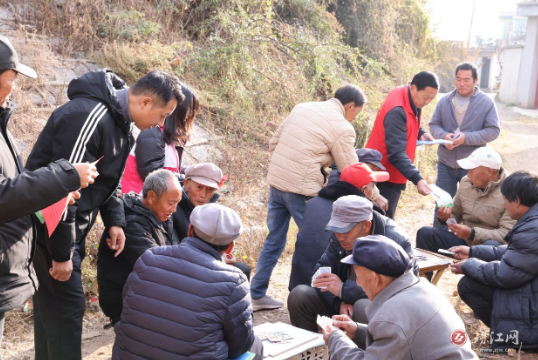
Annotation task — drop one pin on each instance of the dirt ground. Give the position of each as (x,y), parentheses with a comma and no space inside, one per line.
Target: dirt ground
(518,138)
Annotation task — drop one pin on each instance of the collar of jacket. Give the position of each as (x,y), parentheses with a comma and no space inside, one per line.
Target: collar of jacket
(134,203)
(338,104)
(5,113)
(492,185)
(530,215)
(202,246)
(398,285)
(343,188)
(453,94)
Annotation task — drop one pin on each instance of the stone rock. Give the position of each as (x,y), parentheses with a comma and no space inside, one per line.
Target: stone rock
(64,75)
(203,153)
(81,70)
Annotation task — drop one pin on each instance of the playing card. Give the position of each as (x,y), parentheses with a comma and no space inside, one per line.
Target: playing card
(324,270)
(325,323)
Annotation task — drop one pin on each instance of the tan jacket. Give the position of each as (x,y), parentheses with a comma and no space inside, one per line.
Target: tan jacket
(482,211)
(311,138)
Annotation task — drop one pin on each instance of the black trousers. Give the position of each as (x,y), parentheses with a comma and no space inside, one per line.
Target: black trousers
(391,192)
(433,239)
(58,310)
(478,296)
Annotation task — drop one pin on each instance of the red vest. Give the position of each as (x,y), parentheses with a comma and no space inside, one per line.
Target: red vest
(397,97)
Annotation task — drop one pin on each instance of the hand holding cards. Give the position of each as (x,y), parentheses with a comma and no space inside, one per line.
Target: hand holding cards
(321,270)
(325,323)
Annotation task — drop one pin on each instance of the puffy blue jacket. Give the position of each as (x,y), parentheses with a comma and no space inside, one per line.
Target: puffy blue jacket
(513,270)
(183,302)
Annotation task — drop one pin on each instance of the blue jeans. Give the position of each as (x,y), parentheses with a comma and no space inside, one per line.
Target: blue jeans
(448,180)
(281,207)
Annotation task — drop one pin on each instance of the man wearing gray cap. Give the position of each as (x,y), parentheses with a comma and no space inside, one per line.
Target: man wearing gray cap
(202,181)
(408,318)
(182,301)
(337,292)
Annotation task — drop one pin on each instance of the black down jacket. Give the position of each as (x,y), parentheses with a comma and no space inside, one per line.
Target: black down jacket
(312,239)
(90,126)
(513,270)
(143,231)
(21,194)
(352,292)
(183,302)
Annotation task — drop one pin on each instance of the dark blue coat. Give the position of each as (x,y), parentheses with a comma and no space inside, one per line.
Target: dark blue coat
(183,302)
(312,239)
(352,292)
(513,270)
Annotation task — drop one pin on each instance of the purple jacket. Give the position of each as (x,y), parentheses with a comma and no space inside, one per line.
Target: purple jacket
(480,125)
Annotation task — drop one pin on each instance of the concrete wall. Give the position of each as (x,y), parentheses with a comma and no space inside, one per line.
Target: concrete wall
(510,59)
(528,75)
(494,70)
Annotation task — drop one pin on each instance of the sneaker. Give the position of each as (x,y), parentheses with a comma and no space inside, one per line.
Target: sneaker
(266,303)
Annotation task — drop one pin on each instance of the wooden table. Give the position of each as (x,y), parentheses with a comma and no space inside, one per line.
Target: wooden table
(434,263)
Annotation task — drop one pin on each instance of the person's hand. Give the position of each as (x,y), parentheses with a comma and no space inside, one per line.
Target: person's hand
(460,252)
(382,203)
(331,282)
(461,231)
(74,195)
(456,267)
(423,188)
(228,259)
(449,137)
(444,213)
(346,324)
(326,333)
(61,271)
(460,140)
(87,173)
(116,241)
(426,137)
(346,309)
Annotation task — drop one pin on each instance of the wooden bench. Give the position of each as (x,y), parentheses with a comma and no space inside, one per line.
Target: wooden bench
(432,262)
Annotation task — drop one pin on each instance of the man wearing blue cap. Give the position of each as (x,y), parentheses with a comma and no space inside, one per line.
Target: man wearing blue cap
(408,318)
(337,292)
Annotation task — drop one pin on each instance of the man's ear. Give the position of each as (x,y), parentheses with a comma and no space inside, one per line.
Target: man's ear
(146,103)
(152,197)
(368,226)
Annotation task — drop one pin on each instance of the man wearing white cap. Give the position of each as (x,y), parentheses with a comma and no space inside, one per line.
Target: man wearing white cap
(478,215)
(182,301)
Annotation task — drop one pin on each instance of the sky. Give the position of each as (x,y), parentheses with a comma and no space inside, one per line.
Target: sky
(451,19)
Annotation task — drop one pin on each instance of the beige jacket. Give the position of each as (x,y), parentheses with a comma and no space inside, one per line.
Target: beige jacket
(311,138)
(482,211)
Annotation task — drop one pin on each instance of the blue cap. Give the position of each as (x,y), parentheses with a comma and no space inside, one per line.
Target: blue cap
(379,254)
(370,156)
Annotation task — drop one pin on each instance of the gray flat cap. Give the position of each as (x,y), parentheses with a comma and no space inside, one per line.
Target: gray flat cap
(216,224)
(347,212)
(205,173)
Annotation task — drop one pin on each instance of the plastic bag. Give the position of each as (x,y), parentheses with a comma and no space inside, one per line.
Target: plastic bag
(442,198)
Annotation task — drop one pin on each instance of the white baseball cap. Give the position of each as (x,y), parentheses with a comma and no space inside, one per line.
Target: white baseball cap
(484,156)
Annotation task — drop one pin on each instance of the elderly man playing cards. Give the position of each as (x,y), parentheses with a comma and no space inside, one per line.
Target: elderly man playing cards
(334,290)
(408,318)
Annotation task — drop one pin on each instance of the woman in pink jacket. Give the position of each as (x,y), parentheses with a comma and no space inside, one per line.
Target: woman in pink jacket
(161,147)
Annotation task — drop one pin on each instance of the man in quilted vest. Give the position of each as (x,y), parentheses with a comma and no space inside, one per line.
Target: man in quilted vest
(312,137)
(395,134)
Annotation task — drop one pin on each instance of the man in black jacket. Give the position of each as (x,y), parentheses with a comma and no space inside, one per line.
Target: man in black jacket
(312,240)
(95,124)
(501,282)
(337,293)
(23,193)
(148,224)
(201,184)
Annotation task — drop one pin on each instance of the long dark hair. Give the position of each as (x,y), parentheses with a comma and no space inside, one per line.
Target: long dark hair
(178,125)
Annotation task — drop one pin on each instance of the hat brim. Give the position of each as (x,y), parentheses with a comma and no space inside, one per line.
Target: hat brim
(204,181)
(339,227)
(467,164)
(349,260)
(26,71)
(378,164)
(380,176)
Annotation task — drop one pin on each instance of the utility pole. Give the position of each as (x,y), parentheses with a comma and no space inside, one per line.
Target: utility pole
(471,26)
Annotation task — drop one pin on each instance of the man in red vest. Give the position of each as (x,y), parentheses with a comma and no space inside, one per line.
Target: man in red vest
(395,134)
